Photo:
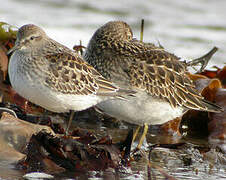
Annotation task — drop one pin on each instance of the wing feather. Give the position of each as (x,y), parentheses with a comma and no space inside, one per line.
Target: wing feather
(162,75)
(69,74)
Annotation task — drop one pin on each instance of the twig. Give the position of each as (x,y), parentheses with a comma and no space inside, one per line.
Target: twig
(142,30)
(203,60)
(81,50)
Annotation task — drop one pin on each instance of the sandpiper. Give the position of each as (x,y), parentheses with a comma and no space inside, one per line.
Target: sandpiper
(164,88)
(53,76)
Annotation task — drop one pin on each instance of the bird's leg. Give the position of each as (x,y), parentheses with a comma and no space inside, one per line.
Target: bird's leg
(43,117)
(143,136)
(203,60)
(135,133)
(72,113)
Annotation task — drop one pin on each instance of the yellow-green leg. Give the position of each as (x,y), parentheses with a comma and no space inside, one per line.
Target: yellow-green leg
(72,113)
(143,136)
(135,134)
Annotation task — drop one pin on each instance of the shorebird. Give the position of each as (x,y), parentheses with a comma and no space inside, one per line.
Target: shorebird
(53,76)
(164,89)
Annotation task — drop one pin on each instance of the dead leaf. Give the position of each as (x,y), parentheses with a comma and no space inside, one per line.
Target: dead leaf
(213,91)
(47,152)
(3,63)
(172,127)
(222,76)
(14,136)
(209,91)
(197,121)
(195,77)
(217,124)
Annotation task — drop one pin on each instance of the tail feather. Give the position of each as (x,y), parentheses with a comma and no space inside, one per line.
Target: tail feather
(212,107)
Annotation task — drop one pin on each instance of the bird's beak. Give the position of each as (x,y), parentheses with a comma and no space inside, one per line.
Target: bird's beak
(14,48)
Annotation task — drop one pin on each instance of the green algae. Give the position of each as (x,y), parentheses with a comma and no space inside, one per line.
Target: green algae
(7,31)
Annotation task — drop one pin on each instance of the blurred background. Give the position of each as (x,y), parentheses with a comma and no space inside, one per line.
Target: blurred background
(188,28)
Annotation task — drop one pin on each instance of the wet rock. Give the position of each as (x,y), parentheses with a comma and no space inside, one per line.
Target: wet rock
(188,161)
(14,136)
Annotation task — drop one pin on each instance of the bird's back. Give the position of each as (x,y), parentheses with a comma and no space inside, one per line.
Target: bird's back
(137,65)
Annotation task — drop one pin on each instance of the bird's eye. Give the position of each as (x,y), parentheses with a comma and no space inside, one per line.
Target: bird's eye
(32,38)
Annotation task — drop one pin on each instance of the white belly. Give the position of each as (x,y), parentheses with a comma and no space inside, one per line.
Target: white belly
(141,109)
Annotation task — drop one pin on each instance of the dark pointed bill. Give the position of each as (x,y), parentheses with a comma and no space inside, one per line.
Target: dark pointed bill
(14,48)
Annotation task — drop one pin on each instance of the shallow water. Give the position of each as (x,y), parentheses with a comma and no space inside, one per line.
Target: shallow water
(188,28)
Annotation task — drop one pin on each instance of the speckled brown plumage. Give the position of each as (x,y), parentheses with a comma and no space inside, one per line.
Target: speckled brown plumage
(69,74)
(124,60)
